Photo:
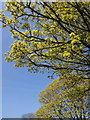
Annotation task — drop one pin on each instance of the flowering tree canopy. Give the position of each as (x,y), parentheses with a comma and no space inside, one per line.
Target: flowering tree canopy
(49,35)
(53,36)
(65,98)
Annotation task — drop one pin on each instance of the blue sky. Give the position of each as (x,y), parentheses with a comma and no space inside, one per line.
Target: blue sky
(0,69)
(20,88)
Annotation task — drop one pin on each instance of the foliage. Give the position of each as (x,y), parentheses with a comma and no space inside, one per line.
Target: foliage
(49,35)
(53,36)
(64,98)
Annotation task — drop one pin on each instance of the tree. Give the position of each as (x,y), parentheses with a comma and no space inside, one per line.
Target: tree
(49,35)
(29,115)
(63,99)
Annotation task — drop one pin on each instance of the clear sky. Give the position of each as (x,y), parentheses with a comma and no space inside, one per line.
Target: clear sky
(0,69)
(20,87)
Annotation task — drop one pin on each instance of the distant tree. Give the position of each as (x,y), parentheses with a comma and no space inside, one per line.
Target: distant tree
(63,98)
(29,115)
